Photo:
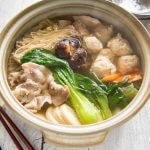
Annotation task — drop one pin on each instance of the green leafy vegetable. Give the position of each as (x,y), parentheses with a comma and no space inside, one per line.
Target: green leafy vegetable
(129,92)
(120,94)
(94,77)
(95,92)
(85,110)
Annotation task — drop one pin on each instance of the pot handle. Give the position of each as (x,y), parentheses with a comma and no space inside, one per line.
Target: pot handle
(75,141)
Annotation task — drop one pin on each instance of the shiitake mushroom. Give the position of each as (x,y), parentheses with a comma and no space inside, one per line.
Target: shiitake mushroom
(67,47)
(70,49)
(78,58)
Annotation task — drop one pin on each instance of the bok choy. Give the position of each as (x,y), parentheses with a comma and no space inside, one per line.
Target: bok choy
(120,94)
(95,92)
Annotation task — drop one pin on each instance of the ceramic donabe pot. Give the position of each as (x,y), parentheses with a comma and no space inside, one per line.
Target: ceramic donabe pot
(123,21)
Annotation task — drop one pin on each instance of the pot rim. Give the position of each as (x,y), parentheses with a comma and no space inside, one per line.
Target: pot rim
(116,120)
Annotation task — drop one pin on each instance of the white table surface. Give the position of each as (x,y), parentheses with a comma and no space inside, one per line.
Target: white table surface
(134,135)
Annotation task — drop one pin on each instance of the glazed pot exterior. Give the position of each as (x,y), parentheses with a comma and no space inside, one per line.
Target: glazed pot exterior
(123,21)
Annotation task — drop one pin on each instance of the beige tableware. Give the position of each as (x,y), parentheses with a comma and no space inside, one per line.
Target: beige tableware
(123,21)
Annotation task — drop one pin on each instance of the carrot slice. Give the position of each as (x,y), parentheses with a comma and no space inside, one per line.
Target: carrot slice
(112,77)
(135,77)
(130,77)
(120,78)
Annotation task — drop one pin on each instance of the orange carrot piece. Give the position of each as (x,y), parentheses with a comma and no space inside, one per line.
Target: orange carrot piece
(131,77)
(120,79)
(135,77)
(111,78)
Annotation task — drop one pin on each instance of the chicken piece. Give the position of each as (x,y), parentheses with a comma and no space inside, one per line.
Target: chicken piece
(128,64)
(26,91)
(119,46)
(90,22)
(22,95)
(92,44)
(14,78)
(37,103)
(81,28)
(102,67)
(34,72)
(103,33)
(58,92)
(63,23)
(107,53)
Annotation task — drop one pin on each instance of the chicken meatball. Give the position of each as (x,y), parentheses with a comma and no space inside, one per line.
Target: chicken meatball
(103,33)
(119,46)
(128,64)
(90,22)
(102,67)
(81,28)
(108,53)
(63,23)
(92,44)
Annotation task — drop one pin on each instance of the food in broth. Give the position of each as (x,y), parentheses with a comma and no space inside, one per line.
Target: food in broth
(74,71)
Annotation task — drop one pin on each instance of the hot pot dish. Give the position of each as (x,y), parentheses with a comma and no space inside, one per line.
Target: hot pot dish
(75,70)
